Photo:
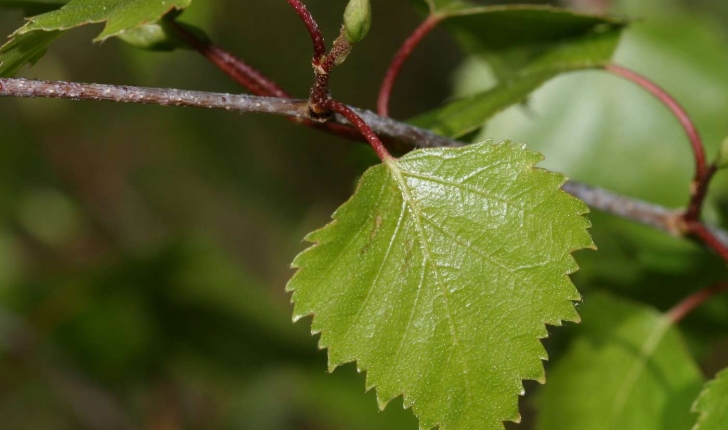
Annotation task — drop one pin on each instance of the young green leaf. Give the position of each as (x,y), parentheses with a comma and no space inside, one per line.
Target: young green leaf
(626,369)
(510,38)
(121,16)
(443,7)
(438,278)
(526,47)
(357,20)
(712,405)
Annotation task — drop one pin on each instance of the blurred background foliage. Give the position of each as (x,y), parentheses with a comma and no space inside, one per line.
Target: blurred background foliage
(144,250)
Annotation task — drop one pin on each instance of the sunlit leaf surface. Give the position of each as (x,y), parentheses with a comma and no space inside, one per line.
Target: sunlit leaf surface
(438,276)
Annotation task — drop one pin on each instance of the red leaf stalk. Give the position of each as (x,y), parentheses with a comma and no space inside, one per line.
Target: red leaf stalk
(703,173)
(236,68)
(319,46)
(690,303)
(708,238)
(404,52)
(363,127)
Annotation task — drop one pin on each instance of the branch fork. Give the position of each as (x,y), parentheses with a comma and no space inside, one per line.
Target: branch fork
(320,107)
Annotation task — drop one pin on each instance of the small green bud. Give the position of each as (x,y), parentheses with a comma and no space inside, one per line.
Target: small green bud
(722,161)
(357,20)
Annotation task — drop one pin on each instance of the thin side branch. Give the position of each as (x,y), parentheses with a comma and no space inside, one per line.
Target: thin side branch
(253,80)
(318,101)
(233,66)
(363,127)
(682,116)
(408,136)
(703,173)
(317,39)
(690,303)
(404,52)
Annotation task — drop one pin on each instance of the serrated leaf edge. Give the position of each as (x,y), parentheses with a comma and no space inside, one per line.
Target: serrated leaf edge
(575,267)
(703,415)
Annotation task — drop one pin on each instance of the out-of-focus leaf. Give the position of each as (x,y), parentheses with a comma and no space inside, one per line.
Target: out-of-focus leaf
(666,268)
(627,369)
(468,114)
(311,398)
(712,405)
(24,49)
(437,278)
(511,37)
(32,7)
(120,16)
(627,141)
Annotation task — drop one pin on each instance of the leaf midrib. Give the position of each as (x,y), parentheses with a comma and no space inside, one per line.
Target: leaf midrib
(396,172)
(648,349)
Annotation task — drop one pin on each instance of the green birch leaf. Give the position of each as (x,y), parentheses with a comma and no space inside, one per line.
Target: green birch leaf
(712,405)
(468,114)
(627,369)
(24,49)
(438,278)
(526,46)
(511,37)
(120,16)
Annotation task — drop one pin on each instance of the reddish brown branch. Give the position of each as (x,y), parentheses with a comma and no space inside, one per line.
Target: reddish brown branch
(690,303)
(233,66)
(708,237)
(363,127)
(253,80)
(409,136)
(320,96)
(698,195)
(319,46)
(404,52)
(702,172)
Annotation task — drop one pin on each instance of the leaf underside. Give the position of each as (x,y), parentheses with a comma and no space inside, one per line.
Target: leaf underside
(627,369)
(525,46)
(24,49)
(438,276)
(120,16)
(132,20)
(712,405)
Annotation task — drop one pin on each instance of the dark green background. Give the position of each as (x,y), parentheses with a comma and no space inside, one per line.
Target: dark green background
(144,250)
